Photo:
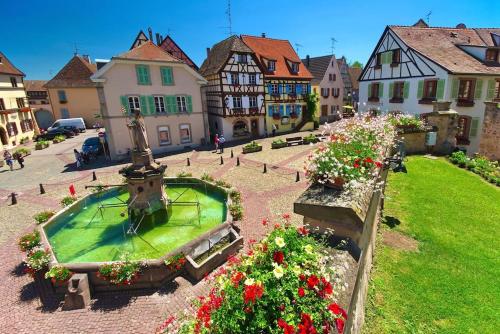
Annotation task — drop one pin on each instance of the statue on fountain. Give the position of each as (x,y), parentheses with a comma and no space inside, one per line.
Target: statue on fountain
(144,176)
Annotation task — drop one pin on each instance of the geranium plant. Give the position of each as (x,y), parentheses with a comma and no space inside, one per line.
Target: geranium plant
(176,262)
(29,241)
(121,272)
(58,274)
(37,260)
(284,284)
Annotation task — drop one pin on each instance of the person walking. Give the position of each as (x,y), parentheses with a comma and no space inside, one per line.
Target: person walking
(216,141)
(20,159)
(274,130)
(78,158)
(8,159)
(222,140)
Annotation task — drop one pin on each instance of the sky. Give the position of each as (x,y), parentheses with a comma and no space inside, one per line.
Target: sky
(39,37)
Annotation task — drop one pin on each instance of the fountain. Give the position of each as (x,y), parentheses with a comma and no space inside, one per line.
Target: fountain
(150,218)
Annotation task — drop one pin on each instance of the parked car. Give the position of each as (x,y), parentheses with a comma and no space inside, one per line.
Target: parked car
(92,146)
(76,122)
(50,134)
(73,129)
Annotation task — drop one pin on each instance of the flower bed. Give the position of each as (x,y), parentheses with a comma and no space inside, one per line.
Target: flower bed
(352,154)
(252,147)
(310,139)
(58,274)
(278,143)
(406,123)
(124,272)
(284,284)
(40,145)
(58,139)
(489,170)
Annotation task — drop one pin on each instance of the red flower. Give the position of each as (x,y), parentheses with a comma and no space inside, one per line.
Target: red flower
(287,329)
(337,310)
(306,326)
(301,292)
(339,323)
(368,160)
(264,222)
(302,230)
(327,288)
(312,281)
(302,277)
(250,252)
(278,257)
(236,278)
(252,293)
(286,216)
(378,164)
(277,226)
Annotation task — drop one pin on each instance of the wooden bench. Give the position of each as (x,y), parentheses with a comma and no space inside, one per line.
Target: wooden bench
(293,141)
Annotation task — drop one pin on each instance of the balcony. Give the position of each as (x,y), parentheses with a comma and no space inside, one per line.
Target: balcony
(465,103)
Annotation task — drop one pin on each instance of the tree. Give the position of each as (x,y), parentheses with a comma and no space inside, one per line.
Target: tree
(311,100)
(356,64)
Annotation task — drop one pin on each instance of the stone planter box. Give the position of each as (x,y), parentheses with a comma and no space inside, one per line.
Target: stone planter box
(41,146)
(307,141)
(278,145)
(252,149)
(200,270)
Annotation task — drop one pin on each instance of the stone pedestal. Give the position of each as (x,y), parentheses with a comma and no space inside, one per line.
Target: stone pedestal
(78,294)
(446,121)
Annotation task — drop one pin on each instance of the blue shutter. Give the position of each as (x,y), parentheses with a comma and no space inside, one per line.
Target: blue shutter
(282,112)
(287,110)
(270,111)
(280,88)
(298,89)
(308,89)
(298,109)
(288,89)
(269,89)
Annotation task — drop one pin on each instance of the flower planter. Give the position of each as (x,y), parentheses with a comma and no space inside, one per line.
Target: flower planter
(278,145)
(60,287)
(252,149)
(306,140)
(337,183)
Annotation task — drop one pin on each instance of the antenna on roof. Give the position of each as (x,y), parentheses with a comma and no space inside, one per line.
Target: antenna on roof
(428,16)
(76,50)
(333,44)
(297,46)
(228,13)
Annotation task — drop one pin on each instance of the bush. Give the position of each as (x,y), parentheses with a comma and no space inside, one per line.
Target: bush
(123,272)
(406,121)
(284,284)
(222,183)
(480,165)
(68,200)
(58,274)
(251,145)
(43,216)
(207,177)
(37,260)
(41,144)
(22,151)
(29,241)
(184,174)
(236,211)
(235,196)
(58,139)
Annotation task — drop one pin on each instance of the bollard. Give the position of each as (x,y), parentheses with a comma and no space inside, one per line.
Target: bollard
(237,161)
(14,199)
(42,190)
(221,160)
(94,177)
(265,168)
(297,178)
(232,154)
(188,162)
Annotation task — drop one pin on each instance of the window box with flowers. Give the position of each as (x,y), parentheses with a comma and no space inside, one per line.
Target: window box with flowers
(120,273)
(294,115)
(276,116)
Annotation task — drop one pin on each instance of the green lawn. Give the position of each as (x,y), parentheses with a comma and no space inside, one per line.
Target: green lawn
(452,283)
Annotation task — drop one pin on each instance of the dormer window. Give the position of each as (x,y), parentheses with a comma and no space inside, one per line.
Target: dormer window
(271,65)
(492,55)
(295,67)
(396,56)
(242,59)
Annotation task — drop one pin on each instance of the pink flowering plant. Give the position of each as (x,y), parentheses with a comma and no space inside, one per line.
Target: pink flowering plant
(283,284)
(353,152)
(120,272)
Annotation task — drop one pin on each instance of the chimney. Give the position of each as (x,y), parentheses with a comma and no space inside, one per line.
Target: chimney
(158,39)
(263,35)
(307,60)
(150,32)
(208,52)
(86,58)
(461,26)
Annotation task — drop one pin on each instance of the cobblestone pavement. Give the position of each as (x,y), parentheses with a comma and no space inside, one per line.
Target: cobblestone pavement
(266,195)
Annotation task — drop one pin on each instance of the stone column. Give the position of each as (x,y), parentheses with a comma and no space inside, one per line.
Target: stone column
(446,122)
(489,144)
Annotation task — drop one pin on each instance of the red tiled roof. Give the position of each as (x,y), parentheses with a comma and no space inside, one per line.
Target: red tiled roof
(147,51)
(35,85)
(76,73)
(6,67)
(441,45)
(279,50)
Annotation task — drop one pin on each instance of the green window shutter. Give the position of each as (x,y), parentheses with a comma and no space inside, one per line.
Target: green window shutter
(167,78)
(138,73)
(189,102)
(491,89)
(454,89)
(369,90)
(389,57)
(144,103)
(478,89)
(381,89)
(420,91)
(474,126)
(171,104)
(151,105)
(391,89)
(124,103)
(143,77)
(440,89)
(406,89)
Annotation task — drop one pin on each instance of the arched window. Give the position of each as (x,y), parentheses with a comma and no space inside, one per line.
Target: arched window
(240,128)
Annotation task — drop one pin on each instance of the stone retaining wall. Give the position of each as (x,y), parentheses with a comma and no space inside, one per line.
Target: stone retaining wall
(489,146)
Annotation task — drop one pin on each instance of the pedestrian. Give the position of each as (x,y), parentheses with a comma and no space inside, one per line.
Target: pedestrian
(20,159)
(274,129)
(222,140)
(8,159)
(78,158)
(216,141)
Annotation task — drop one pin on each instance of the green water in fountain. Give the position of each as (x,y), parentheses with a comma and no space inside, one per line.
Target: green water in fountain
(75,238)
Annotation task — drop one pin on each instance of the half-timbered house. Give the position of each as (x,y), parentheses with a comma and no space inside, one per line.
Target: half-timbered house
(286,82)
(412,67)
(235,90)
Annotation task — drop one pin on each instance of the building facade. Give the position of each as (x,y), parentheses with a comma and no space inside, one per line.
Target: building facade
(38,100)
(412,67)
(328,84)
(286,83)
(165,90)
(16,120)
(346,79)
(72,93)
(234,95)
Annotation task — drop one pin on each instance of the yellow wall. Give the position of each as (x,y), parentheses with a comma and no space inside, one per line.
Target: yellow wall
(317,113)
(81,102)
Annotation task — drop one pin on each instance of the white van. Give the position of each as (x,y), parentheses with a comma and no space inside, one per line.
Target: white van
(76,122)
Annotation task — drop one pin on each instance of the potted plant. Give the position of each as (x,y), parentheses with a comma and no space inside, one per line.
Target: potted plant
(120,273)
(59,139)
(59,275)
(37,261)
(310,139)
(175,262)
(278,143)
(29,241)
(41,144)
(252,147)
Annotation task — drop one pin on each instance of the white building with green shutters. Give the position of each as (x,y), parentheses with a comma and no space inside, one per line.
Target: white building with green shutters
(413,66)
(166,91)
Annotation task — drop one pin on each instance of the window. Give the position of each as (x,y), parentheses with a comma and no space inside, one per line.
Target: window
(181,104)
(271,65)
(13,81)
(167,76)
(491,55)
(164,135)
(430,89)
(252,100)
(252,79)
(2,104)
(236,102)
(378,62)
(64,113)
(374,92)
(396,56)
(274,89)
(398,92)
(290,88)
(159,104)
(295,67)
(305,89)
(62,96)
(463,130)
(325,92)
(496,93)
(133,103)
(185,133)
(20,102)
(235,80)
(242,59)
(142,72)
(12,129)
(324,110)
(240,129)
(466,90)
(332,110)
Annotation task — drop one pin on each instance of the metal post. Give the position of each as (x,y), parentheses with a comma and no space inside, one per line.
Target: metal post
(188,162)
(221,160)
(265,168)
(14,199)
(94,177)
(42,190)
(237,161)
(297,177)
(232,154)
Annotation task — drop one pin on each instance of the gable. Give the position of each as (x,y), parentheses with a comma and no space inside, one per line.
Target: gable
(139,40)
(172,48)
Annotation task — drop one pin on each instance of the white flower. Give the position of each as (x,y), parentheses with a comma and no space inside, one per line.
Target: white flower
(308,249)
(278,272)
(296,270)
(249,281)
(280,242)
